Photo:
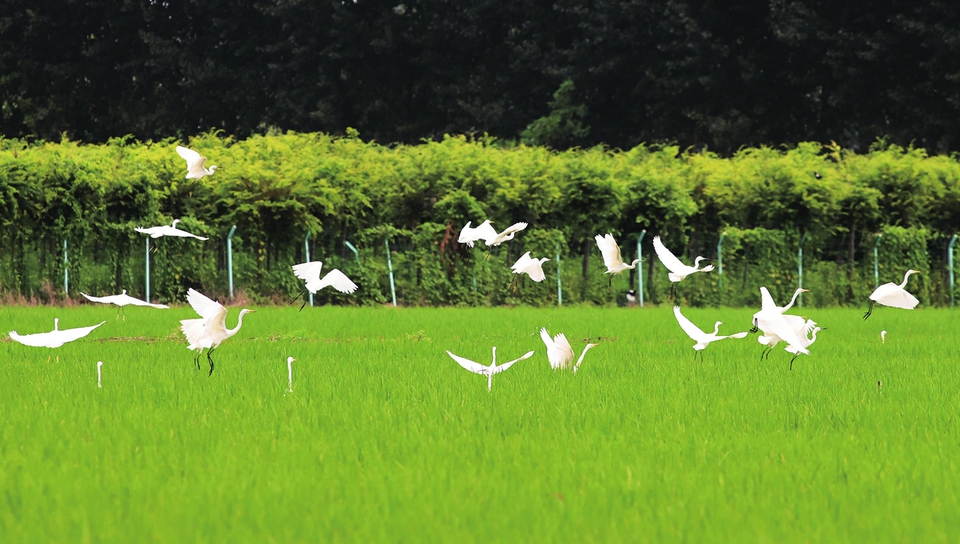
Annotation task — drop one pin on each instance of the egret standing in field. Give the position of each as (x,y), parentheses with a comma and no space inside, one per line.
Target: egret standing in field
(529,266)
(559,351)
(123,299)
(195,163)
(677,269)
(210,330)
(487,371)
(168,230)
(611,256)
(310,273)
(54,338)
(893,295)
(702,339)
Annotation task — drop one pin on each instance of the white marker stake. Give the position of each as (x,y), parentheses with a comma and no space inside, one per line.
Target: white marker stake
(99,364)
(883,337)
(290,361)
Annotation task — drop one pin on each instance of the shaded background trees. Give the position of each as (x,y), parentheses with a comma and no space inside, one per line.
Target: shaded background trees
(698,73)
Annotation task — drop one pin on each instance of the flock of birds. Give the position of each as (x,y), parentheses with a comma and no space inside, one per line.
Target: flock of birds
(207,332)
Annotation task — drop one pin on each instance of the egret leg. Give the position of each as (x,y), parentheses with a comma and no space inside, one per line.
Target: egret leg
(610,283)
(869,310)
(794,359)
(196,358)
(766,352)
(673,290)
(210,359)
(514,283)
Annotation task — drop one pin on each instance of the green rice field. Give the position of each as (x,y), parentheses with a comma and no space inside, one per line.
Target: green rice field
(385,438)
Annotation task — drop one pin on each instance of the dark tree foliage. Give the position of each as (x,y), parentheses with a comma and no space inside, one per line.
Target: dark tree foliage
(721,75)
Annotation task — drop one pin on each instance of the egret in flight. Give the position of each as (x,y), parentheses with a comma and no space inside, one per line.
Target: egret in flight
(793,320)
(54,338)
(168,230)
(310,273)
(487,371)
(677,269)
(529,266)
(485,231)
(559,351)
(611,256)
(893,295)
(123,299)
(210,329)
(808,335)
(195,163)
(695,333)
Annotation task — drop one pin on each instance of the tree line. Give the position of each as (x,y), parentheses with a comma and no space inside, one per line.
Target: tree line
(290,192)
(714,75)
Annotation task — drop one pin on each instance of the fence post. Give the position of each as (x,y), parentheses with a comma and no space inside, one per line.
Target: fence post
(230,258)
(950,264)
(356,253)
(147,276)
(306,250)
(800,269)
(720,259)
(876,270)
(639,266)
(393,289)
(559,286)
(66,272)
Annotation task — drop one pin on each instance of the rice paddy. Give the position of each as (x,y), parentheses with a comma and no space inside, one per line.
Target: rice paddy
(385,438)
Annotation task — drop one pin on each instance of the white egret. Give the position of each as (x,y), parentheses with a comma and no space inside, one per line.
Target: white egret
(677,269)
(99,364)
(775,325)
(883,337)
(611,255)
(310,273)
(469,235)
(123,299)
(498,238)
(168,230)
(290,361)
(559,351)
(487,371)
(893,295)
(807,337)
(54,338)
(794,321)
(530,266)
(211,329)
(195,163)
(703,339)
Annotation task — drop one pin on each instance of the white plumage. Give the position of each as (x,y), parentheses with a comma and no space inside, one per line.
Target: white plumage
(210,330)
(530,266)
(310,273)
(487,371)
(701,338)
(611,255)
(195,163)
(168,230)
(123,299)
(54,338)
(559,351)
(485,231)
(893,295)
(677,269)
(776,326)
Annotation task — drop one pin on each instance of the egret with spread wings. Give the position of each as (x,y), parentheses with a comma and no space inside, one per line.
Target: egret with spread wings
(210,330)
(487,371)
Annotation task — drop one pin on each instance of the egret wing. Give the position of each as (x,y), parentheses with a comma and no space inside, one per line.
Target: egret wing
(173,231)
(188,154)
(310,272)
(206,308)
(127,299)
(69,335)
(895,297)
(101,300)
(339,281)
(610,251)
(39,340)
(522,263)
(667,257)
(516,227)
(504,366)
(688,327)
(485,232)
(472,366)
(559,352)
(154,232)
(534,269)
(194,331)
